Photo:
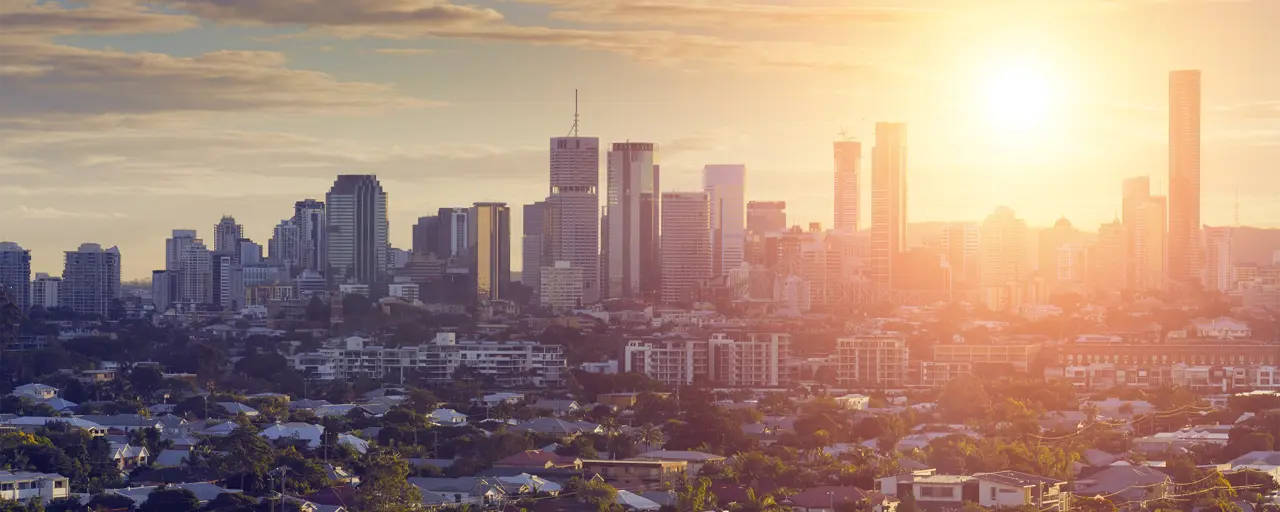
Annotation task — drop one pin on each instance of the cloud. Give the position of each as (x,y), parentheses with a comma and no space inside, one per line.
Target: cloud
(1252,110)
(721,13)
(25,18)
(404,51)
(43,213)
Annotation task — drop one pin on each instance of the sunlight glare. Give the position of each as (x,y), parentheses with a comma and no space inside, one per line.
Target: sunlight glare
(1019,97)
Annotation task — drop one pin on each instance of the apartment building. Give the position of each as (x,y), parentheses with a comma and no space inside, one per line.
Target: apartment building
(727,359)
(508,362)
(1020,355)
(872,361)
(20,486)
(1206,365)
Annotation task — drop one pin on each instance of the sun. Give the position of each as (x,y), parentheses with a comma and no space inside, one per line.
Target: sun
(1019,97)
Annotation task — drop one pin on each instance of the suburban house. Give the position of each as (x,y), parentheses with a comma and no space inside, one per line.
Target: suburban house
(539,459)
(21,486)
(1016,489)
(1125,484)
(30,424)
(636,474)
(128,456)
(1264,461)
(930,489)
(556,407)
(695,459)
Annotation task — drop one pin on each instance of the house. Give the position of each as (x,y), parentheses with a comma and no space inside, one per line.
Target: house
(1184,438)
(30,424)
(636,474)
(307,404)
(295,431)
(1265,461)
(21,486)
(1125,484)
(828,498)
(694,459)
(854,402)
(171,458)
(1017,489)
(204,492)
(558,408)
(128,456)
(539,459)
(632,501)
(500,398)
(556,426)
(234,408)
(535,484)
(174,475)
(123,422)
(448,417)
(1220,328)
(36,392)
(464,490)
(1117,408)
(930,489)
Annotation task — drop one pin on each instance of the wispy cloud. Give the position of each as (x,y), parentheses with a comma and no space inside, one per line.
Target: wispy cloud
(1252,110)
(405,51)
(45,213)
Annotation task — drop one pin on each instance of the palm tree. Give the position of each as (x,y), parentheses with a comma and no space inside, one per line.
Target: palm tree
(757,504)
(649,435)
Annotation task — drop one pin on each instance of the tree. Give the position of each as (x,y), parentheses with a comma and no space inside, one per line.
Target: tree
(10,320)
(317,310)
(766,503)
(650,436)
(231,502)
(145,380)
(964,398)
(1095,504)
(384,486)
(597,493)
(695,497)
(109,501)
(171,499)
(248,454)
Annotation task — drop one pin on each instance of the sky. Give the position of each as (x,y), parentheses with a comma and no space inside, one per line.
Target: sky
(121,120)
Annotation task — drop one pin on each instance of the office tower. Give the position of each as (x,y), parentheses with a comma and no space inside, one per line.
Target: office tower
(285,249)
(561,286)
(1136,191)
(573,209)
(45,291)
(1147,238)
(766,217)
(15,274)
(453,231)
(1108,257)
(1184,176)
(162,289)
(960,246)
(888,202)
(175,246)
(356,230)
(533,245)
(489,236)
(1052,240)
(872,361)
(686,244)
(848,171)
(90,279)
(227,278)
(227,235)
(196,274)
(631,232)
(1003,253)
(248,252)
(1220,261)
(725,186)
(426,235)
(309,217)
(1071,267)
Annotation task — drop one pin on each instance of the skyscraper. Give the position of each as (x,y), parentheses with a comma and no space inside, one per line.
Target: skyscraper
(1108,257)
(356,229)
(226,235)
(1136,191)
(1184,176)
(848,155)
(573,209)
(1052,242)
(426,236)
(1148,236)
(533,245)
(161,290)
(686,243)
(227,282)
(309,217)
(45,291)
(725,186)
(766,217)
(888,202)
(15,274)
(1003,253)
(1220,264)
(632,209)
(196,274)
(90,279)
(490,250)
(453,232)
(284,250)
(175,246)
(960,245)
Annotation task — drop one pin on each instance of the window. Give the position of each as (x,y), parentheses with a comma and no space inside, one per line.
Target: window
(58,484)
(993,492)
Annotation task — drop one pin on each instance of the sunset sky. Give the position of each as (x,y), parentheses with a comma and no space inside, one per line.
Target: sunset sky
(121,120)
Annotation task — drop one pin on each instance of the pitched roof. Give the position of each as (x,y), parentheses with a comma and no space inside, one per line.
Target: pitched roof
(536,458)
(824,496)
(1016,478)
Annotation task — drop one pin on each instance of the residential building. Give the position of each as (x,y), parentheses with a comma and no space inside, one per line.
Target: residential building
(960,246)
(489,251)
(533,245)
(1126,485)
(1051,243)
(725,186)
(90,279)
(1147,244)
(756,359)
(930,490)
(175,246)
(1017,489)
(45,291)
(888,203)
(426,236)
(573,209)
(162,289)
(829,498)
(871,361)
(1018,355)
(1003,255)
(227,279)
(630,237)
(562,286)
(687,256)
(15,274)
(356,229)
(695,459)
(22,486)
(284,249)
(309,217)
(196,274)
(1184,176)
(507,362)
(226,235)
(637,474)
(848,199)
(1219,270)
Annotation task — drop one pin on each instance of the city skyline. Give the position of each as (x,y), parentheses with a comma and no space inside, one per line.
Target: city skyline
(337,100)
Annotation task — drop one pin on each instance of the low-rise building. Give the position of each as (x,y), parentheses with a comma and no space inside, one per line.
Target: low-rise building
(1018,489)
(20,486)
(508,362)
(636,474)
(748,360)
(872,361)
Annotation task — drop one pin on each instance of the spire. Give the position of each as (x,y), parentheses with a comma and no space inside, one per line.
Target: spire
(573,132)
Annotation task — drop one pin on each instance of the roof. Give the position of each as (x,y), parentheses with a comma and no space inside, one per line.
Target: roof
(236,407)
(1257,458)
(554,426)
(555,405)
(685,455)
(176,475)
(635,501)
(824,496)
(44,420)
(1116,479)
(338,495)
(121,420)
(536,458)
(170,458)
(1016,478)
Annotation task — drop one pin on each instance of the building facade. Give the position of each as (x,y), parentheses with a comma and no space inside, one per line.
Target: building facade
(573,209)
(630,237)
(747,360)
(490,250)
(561,286)
(91,279)
(687,255)
(309,217)
(226,235)
(1004,245)
(15,274)
(848,201)
(45,291)
(533,245)
(725,186)
(888,202)
(356,229)
(1184,176)
(507,362)
(872,361)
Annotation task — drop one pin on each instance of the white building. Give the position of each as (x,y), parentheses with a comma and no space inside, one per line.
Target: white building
(15,274)
(44,291)
(872,361)
(407,292)
(196,272)
(90,279)
(1219,328)
(725,186)
(573,209)
(686,256)
(562,286)
(508,362)
(756,360)
(21,486)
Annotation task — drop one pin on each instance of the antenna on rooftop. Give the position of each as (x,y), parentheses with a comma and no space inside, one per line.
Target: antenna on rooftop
(573,132)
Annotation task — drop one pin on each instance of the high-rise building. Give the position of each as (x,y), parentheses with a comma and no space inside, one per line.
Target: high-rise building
(766,217)
(725,186)
(960,246)
(453,231)
(227,282)
(175,246)
(888,202)
(90,279)
(284,249)
(1108,257)
(1148,236)
(196,274)
(560,286)
(1184,176)
(872,361)
(1003,254)
(356,229)
(15,274)
(490,250)
(533,245)
(309,217)
(573,209)
(226,235)
(686,243)
(1049,256)
(1136,191)
(1219,271)
(426,235)
(248,252)
(848,171)
(631,233)
(161,290)
(45,291)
